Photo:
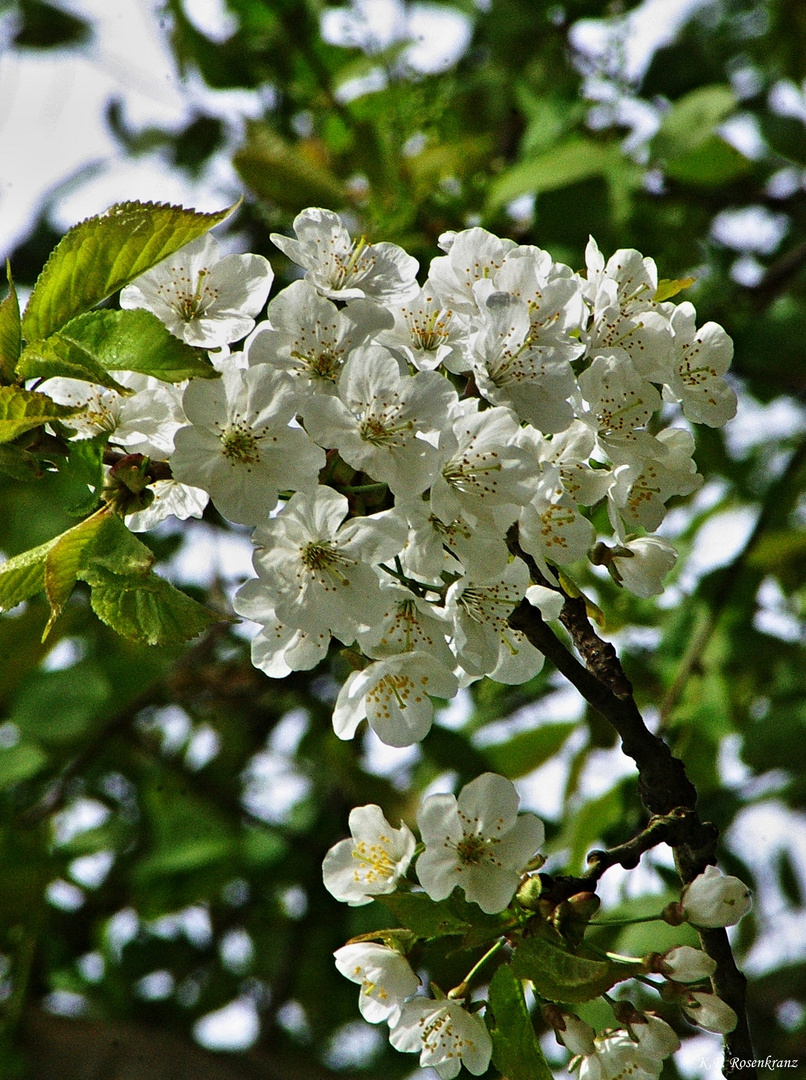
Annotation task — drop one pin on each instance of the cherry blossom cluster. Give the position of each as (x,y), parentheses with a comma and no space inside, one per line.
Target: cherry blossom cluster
(387,440)
(478,841)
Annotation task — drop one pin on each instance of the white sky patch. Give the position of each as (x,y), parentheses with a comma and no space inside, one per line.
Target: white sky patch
(635,37)
(77,818)
(235,1027)
(91,870)
(211,18)
(751,228)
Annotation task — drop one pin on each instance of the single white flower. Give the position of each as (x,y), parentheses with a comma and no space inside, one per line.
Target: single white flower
(472,255)
(639,490)
(171,498)
(618,1057)
(428,335)
(620,403)
(477,841)
(684,964)
(628,280)
(551,527)
(655,1037)
(201,298)
(483,640)
(406,623)
(445,1035)
(384,423)
(310,339)
(394,696)
(456,546)
(575,1034)
(342,269)
(384,975)
(701,358)
(641,565)
(714,899)
(277,649)
(372,861)
(238,445)
(710,1012)
(318,568)
(487,471)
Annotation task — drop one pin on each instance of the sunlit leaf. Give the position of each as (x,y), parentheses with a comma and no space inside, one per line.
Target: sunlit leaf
(560,975)
(22,410)
(104,253)
(576,159)
(10,340)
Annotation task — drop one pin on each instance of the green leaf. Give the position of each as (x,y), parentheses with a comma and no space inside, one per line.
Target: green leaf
(23,575)
(669,287)
(118,550)
(104,253)
(136,340)
(516,1051)
(426,917)
(527,750)
(19,763)
(21,410)
(145,608)
(576,159)
(58,357)
(64,560)
(18,463)
(10,334)
(691,121)
(58,707)
(283,174)
(560,975)
(714,162)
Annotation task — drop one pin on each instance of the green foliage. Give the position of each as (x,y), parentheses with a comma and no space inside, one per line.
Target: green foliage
(558,975)
(92,345)
(22,410)
(516,1051)
(10,333)
(104,253)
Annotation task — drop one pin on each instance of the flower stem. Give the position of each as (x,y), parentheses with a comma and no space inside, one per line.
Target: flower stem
(460,990)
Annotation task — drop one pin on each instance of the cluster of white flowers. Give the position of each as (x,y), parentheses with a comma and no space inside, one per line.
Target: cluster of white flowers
(477,841)
(403,431)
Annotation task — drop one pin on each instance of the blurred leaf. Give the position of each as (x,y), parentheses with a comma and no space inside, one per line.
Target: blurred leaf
(19,763)
(712,163)
(527,750)
(576,159)
(56,707)
(284,174)
(45,26)
(104,253)
(22,410)
(786,135)
(516,1050)
(691,121)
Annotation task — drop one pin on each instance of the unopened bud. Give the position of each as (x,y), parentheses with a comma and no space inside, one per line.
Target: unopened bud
(126,487)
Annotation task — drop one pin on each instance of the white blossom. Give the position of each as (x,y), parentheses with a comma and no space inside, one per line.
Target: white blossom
(701,358)
(310,339)
(203,299)
(685,964)
(445,1035)
(394,696)
(372,861)
(642,564)
(427,334)
(618,1057)
(472,255)
(277,649)
(383,423)
(318,568)
(342,269)
(710,1012)
(384,975)
(477,841)
(576,1034)
(714,899)
(238,445)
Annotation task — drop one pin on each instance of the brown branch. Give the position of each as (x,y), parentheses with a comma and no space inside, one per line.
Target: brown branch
(663,785)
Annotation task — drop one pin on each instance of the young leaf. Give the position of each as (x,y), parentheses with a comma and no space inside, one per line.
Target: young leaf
(426,917)
(21,410)
(104,253)
(669,287)
(561,975)
(58,357)
(516,1051)
(64,560)
(136,340)
(145,608)
(23,576)
(10,339)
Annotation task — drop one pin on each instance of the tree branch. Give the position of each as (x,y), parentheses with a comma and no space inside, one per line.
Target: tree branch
(663,785)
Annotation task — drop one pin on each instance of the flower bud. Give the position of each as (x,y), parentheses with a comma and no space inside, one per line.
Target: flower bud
(684,964)
(709,1012)
(655,1036)
(712,899)
(575,1034)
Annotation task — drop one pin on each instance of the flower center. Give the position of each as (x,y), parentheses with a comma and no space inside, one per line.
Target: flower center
(191,302)
(239,444)
(472,850)
(374,862)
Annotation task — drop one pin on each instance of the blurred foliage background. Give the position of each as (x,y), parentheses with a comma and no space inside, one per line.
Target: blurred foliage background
(164,813)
